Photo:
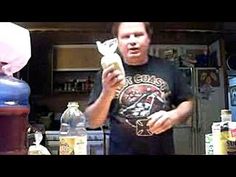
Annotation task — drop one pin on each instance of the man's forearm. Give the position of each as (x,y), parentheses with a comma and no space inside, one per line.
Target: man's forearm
(182,112)
(97,112)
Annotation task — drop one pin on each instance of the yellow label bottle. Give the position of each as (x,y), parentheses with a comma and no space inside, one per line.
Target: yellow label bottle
(73,134)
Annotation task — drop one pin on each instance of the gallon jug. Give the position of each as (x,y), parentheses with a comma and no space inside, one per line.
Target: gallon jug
(14,110)
(15,51)
(73,134)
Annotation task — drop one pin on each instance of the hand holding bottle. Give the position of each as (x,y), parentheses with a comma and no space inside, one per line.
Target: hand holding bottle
(111,80)
(107,49)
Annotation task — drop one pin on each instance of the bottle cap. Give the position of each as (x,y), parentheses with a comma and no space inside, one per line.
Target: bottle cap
(73,103)
(225,112)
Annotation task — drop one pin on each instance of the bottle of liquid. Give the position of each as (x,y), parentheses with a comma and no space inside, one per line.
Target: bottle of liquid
(220,133)
(15,51)
(107,49)
(14,110)
(226,115)
(73,134)
(88,84)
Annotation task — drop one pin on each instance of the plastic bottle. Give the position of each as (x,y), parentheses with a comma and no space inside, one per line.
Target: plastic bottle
(226,115)
(220,133)
(73,134)
(15,51)
(108,49)
(14,110)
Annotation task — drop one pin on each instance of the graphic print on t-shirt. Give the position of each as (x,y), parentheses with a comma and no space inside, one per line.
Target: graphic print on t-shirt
(142,96)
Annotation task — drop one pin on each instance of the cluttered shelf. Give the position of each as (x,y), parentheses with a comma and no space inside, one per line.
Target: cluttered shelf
(73,81)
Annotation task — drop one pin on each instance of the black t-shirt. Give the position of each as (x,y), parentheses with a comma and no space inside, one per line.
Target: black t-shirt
(156,85)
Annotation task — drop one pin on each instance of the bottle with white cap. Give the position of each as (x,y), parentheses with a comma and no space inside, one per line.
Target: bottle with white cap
(73,134)
(226,115)
(108,49)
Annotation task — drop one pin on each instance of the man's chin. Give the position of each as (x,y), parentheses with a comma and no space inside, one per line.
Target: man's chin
(134,56)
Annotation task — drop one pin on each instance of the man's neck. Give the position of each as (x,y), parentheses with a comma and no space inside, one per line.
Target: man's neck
(137,61)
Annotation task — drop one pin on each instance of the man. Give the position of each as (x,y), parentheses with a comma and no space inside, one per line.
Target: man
(153,100)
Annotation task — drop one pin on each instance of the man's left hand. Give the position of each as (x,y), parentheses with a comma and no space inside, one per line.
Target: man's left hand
(160,122)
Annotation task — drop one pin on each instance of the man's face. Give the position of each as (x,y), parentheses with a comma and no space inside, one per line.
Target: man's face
(133,42)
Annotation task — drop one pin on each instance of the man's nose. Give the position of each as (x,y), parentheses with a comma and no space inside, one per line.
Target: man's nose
(132,40)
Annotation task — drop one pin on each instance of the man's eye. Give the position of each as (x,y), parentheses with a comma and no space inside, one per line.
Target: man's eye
(138,35)
(125,37)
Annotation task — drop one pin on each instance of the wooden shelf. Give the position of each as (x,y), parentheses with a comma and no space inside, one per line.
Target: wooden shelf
(71,92)
(76,69)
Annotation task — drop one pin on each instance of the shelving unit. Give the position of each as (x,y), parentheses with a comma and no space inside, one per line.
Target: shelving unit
(73,81)
(74,68)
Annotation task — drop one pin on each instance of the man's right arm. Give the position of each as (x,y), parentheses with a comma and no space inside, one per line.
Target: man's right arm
(97,112)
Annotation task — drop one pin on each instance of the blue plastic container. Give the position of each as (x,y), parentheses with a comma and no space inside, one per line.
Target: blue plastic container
(14,111)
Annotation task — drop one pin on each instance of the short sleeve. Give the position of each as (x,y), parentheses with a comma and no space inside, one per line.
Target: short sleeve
(182,90)
(97,88)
